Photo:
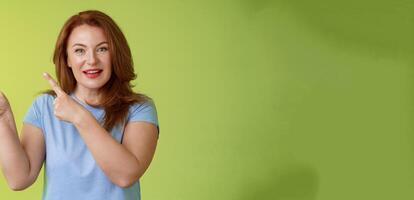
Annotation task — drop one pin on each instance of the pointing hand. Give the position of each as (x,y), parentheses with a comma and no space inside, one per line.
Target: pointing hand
(66,108)
(4,105)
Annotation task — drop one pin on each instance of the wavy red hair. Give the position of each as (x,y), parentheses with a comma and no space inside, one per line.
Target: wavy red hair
(117,93)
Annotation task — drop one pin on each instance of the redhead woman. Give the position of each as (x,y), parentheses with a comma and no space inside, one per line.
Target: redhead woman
(95,136)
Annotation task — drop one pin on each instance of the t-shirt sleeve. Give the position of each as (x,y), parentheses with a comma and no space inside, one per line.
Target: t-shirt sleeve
(146,112)
(33,115)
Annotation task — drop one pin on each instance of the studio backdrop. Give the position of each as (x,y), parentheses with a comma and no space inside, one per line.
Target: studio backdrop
(256,99)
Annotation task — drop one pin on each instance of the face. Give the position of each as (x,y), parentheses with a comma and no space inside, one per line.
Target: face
(89,57)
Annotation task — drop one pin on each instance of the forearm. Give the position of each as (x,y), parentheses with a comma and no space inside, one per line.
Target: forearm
(13,159)
(117,162)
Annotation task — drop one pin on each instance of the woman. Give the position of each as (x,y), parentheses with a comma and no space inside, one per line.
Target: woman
(96,136)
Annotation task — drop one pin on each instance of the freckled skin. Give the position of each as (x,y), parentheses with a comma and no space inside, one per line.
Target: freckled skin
(88,49)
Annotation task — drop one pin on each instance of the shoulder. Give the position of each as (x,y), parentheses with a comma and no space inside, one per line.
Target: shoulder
(43,102)
(146,105)
(41,108)
(44,99)
(144,111)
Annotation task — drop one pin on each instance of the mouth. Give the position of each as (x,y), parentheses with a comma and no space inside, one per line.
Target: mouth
(92,73)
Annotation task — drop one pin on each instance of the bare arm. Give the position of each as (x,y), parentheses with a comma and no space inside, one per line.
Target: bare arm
(20,161)
(123,163)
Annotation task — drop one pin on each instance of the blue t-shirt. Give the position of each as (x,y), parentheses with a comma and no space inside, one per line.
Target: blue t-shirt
(70,170)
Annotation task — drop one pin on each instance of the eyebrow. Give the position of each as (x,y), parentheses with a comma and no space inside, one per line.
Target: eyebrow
(79,44)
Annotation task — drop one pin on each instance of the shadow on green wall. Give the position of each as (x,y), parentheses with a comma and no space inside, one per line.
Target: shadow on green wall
(383,28)
(291,182)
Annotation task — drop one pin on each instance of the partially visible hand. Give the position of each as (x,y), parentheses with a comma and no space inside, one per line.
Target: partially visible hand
(66,108)
(4,105)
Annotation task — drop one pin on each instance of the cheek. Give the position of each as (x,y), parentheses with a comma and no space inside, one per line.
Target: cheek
(75,61)
(106,63)
(78,62)
(107,60)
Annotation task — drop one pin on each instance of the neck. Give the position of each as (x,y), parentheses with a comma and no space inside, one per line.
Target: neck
(88,96)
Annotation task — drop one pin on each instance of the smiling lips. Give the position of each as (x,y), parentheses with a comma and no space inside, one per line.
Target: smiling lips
(92,73)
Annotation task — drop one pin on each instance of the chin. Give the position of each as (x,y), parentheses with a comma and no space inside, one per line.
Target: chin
(93,85)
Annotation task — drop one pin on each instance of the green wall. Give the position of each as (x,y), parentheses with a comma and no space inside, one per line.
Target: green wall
(257,99)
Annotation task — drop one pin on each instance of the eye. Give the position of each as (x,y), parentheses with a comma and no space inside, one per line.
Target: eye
(79,51)
(102,49)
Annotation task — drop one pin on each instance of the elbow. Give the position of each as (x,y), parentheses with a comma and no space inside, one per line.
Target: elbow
(127,181)
(128,177)
(15,186)
(125,184)
(17,182)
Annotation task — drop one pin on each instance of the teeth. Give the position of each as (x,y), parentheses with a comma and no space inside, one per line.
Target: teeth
(93,72)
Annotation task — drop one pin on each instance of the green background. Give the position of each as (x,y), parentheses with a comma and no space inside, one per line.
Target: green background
(257,99)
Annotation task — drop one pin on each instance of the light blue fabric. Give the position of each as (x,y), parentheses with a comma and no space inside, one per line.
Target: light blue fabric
(70,170)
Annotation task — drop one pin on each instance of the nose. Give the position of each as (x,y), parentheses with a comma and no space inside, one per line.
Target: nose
(91,59)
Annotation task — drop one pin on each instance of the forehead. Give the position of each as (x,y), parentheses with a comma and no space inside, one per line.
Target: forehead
(87,35)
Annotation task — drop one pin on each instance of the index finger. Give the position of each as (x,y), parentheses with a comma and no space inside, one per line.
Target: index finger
(53,84)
